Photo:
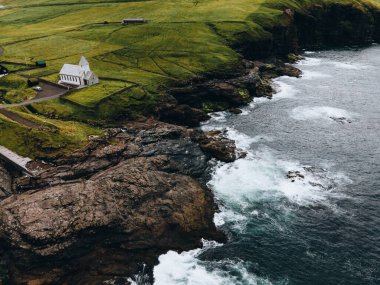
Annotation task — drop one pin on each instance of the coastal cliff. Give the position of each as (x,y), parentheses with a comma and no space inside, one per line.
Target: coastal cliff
(125,199)
(322,26)
(138,190)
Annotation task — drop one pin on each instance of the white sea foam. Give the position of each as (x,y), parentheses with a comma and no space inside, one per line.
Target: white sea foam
(218,117)
(186,269)
(283,90)
(310,61)
(261,175)
(348,65)
(238,222)
(242,141)
(215,122)
(304,113)
(308,75)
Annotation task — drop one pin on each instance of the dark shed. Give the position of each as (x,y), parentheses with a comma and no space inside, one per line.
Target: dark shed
(33,82)
(3,70)
(40,63)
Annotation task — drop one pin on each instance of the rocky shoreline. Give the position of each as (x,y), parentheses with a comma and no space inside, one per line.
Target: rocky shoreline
(139,191)
(127,198)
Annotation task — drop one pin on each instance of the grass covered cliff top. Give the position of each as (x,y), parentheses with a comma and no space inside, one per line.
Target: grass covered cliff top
(182,40)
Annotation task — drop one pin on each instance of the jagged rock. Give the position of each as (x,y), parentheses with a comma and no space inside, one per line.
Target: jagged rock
(293,175)
(5,183)
(235,111)
(127,198)
(218,146)
(136,197)
(341,120)
(277,68)
(183,114)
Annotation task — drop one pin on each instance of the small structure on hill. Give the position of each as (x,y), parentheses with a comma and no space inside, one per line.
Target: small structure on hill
(78,75)
(3,71)
(41,63)
(128,21)
(32,82)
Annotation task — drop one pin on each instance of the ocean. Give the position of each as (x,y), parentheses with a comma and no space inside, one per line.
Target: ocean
(303,207)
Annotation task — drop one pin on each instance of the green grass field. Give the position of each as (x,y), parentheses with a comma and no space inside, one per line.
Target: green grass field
(183,39)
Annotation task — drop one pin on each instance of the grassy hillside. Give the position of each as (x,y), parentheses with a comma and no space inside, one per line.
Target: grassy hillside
(182,40)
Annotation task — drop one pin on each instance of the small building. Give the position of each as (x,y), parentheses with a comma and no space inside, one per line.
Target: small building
(128,21)
(78,75)
(40,63)
(33,82)
(3,70)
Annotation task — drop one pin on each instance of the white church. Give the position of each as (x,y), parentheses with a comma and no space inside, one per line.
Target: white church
(78,75)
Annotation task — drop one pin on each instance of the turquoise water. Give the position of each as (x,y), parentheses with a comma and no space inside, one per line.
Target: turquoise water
(324,226)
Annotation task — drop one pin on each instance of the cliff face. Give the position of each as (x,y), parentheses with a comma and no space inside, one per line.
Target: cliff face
(315,27)
(335,25)
(104,211)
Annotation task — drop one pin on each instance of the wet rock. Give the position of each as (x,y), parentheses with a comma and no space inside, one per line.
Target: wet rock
(122,201)
(5,183)
(294,175)
(184,115)
(341,120)
(218,146)
(235,111)
(276,68)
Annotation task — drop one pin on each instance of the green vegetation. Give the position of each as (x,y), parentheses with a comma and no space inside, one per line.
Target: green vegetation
(53,138)
(91,96)
(183,39)
(14,89)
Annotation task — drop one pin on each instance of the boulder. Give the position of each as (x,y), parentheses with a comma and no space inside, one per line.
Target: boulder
(128,197)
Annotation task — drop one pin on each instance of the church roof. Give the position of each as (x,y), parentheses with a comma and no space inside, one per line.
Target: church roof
(71,69)
(88,75)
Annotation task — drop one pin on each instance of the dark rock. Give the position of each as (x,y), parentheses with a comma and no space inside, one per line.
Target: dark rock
(5,183)
(293,175)
(235,111)
(334,25)
(218,146)
(103,211)
(341,120)
(184,115)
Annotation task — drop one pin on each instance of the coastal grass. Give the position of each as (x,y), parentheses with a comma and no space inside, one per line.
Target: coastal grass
(14,89)
(54,137)
(90,96)
(182,40)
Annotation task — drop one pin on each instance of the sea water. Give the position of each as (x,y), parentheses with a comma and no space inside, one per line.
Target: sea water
(321,226)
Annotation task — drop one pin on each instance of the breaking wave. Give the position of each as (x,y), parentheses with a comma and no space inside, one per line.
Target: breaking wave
(187,269)
(304,113)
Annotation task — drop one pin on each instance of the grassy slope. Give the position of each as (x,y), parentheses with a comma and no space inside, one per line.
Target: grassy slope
(183,39)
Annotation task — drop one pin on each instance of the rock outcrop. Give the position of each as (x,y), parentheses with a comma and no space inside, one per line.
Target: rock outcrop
(134,192)
(189,104)
(5,183)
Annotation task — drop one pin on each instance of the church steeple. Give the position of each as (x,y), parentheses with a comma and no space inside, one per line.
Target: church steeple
(83,63)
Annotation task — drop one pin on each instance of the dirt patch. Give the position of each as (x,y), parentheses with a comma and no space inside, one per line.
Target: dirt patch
(17,118)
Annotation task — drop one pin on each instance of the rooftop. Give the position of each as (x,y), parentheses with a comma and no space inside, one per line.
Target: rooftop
(71,69)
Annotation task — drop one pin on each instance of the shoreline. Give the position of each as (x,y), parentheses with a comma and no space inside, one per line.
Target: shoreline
(153,135)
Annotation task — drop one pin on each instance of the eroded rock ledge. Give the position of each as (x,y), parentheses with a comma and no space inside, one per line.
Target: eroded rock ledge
(100,213)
